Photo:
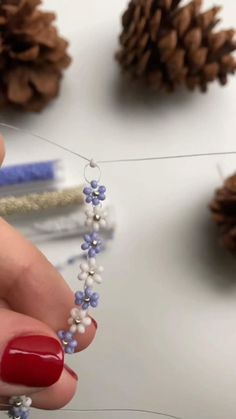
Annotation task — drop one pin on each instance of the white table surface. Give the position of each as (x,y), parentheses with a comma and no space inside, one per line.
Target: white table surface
(167,323)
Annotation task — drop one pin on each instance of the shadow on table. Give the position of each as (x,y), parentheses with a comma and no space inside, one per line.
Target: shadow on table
(133,94)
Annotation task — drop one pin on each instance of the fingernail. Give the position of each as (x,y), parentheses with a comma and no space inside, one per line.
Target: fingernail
(34,361)
(95,323)
(71,372)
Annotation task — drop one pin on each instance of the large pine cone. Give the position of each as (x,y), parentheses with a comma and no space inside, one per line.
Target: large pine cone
(223,209)
(32,55)
(166,45)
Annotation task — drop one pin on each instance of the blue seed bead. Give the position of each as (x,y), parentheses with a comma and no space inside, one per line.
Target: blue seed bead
(74,344)
(94,184)
(89,199)
(61,334)
(87,238)
(79,294)
(102,189)
(85,246)
(95,201)
(102,197)
(68,335)
(92,253)
(69,350)
(87,191)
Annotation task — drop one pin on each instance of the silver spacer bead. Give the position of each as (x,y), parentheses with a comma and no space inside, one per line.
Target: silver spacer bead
(87,300)
(91,273)
(96,193)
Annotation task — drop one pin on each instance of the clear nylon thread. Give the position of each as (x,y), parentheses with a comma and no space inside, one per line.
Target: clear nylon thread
(131,160)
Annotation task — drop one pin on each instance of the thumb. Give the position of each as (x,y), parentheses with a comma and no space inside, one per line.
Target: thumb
(31,356)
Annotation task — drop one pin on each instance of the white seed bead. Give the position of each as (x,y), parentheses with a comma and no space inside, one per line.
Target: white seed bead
(81,328)
(84,266)
(87,321)
(96,227)
(92,163)
(73,328)
(92,262)
(74,312)
(28,402)
(82,276)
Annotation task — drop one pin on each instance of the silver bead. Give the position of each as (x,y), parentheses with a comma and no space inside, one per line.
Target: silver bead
(96,217)
(87,300)
(91,273)
(94,243)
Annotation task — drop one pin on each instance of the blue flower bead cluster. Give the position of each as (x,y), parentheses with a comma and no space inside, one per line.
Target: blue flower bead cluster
(94,193)
(90,272)
(86,298)
(92,244)
(68,341)
(19,407)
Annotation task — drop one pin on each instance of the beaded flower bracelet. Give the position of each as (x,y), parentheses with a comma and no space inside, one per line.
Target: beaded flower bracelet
(89,274)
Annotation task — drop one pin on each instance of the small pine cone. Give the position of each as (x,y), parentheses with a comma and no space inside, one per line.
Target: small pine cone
(223,209)
(32,55)
(166,45)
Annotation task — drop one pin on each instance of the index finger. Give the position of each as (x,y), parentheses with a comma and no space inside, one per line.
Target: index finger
(31,285)
(2,149)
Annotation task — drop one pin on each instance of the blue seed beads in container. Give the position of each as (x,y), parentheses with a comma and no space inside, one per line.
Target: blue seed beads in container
(29,177)
(29,172)
(90,273)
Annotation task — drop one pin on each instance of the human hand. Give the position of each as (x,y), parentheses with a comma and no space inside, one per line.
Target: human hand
(34,305)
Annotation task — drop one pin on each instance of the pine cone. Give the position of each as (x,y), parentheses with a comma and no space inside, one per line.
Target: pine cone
(166,45)
(223,209)
(32,55)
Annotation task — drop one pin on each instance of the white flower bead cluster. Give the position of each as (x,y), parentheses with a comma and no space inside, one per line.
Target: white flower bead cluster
(79,320)
(90,272)
(96,218)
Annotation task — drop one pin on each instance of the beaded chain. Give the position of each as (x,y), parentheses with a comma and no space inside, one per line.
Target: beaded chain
(90,272)
(89,275)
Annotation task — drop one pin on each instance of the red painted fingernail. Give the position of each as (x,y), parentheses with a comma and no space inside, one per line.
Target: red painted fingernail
(34,361)
(95,323)
(71,372)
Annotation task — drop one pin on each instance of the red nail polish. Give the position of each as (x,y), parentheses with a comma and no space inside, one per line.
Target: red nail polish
(34,361)
(95,323)
(71,372)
